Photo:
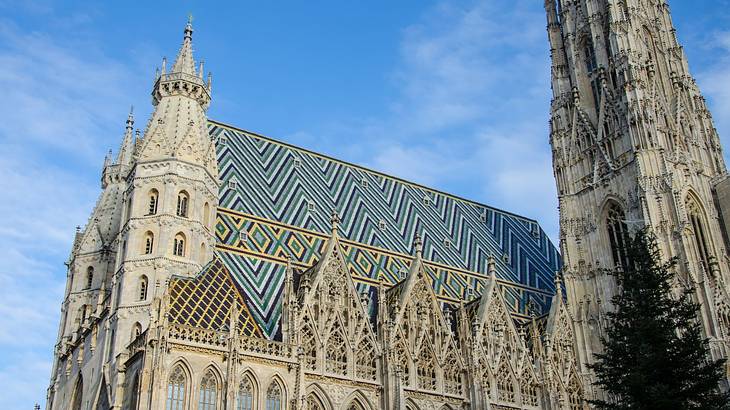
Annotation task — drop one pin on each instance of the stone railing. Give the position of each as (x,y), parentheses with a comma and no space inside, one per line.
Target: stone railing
(262,347)
(197,335)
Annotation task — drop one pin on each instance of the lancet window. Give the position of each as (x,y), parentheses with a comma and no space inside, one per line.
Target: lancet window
(529,389)
(89,277)
(152,202)
(142,288)
(365,366)
(617,234)
(309,344)
(695,215)
(182,204)
(336,359)
(208,394)
(274,396)
(176,389)
(506,390)
(178,246)
(149,242)
(245,395)
(426,368)
(313,402)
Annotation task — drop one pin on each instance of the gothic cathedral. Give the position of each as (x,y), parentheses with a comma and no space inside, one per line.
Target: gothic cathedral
(222,269)
(633,146)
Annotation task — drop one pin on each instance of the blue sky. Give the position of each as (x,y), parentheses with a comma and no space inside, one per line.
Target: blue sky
(452,94)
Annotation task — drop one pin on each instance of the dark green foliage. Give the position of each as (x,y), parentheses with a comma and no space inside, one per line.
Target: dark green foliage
(655,356)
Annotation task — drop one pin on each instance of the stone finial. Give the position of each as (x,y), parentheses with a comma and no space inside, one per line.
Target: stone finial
(335,222)
(418,245)
(491,267)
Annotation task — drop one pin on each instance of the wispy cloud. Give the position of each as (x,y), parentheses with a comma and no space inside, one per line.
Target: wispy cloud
(714,81)
(472,112)
(61,108)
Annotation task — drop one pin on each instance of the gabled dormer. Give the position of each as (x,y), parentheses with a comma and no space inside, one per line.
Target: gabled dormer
(333,324)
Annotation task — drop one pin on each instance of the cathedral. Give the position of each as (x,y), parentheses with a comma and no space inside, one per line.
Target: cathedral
(225,270)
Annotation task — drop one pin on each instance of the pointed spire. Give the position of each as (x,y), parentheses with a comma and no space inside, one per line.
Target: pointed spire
(125,151)
(558,284)
(184,62)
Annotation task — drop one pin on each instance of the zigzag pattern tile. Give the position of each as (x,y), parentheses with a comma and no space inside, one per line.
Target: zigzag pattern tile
(281,183)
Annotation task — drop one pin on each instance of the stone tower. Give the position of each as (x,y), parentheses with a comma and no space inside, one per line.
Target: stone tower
(633,145)
(154,219)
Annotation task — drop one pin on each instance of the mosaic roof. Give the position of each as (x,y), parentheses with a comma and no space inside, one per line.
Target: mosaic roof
(276,201)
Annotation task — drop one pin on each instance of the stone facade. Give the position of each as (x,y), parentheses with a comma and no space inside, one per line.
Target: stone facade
(634,145)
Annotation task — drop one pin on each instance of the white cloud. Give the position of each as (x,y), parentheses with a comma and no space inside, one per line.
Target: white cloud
(472,114)
(64,105)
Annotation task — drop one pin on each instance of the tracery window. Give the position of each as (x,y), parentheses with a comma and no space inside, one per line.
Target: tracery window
(355,405)
(89,277)
(309,343)
(426,370)
(505,384)
(182,204)
(143,288)
(149,242)
(336,359)
(176,388)
(617,234)
(208,395)
(178,246)
(401,357)
(695,215)
(152,203)
(274,396)
(245,395)
(313,402)
(365,367)
(529,389)
(575,398)
(452,376)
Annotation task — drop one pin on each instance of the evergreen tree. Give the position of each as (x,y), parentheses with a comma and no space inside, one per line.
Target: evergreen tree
(655,356)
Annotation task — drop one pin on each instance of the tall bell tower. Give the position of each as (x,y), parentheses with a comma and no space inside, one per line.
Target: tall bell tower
(633,145)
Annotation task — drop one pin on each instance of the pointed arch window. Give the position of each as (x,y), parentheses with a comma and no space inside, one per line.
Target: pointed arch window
(505,384)
(314,403)
(365,367)
(152,200)
(529,389)
(77,398)
(452,376)
(143,288)
(89,277)
(136,330)
(309,343)
(176,389)
(617,234)
(336,353)
(274,397)
(178,246)
(208,394)
(246,394)
(149,242)
(182,204)
(696,219)
(589,53)
(206,214)
(426,370)
(355,405)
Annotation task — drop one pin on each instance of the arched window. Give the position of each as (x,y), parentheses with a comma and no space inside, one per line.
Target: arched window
(696,219)
(336,353)
(202,252)
(134,393)
(426,370)
(176,389)
(274,396)
(152,202)
(208,396)
(136,330)
(589,53)
(246,394)
(314,403)
(575,395)
(178,246)
(182,204)
(452,376)
(89,277)
(82,314)
(529,389)
(206,214)
(617,234)
(77,396)
(505,384)
(309,344)
(355,405)
(143,288)
(365,367)
(149,242)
